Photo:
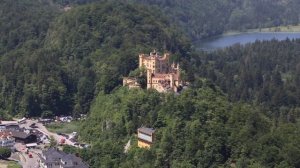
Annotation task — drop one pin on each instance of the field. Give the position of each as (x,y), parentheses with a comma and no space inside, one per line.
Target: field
(9,164)
(63,127)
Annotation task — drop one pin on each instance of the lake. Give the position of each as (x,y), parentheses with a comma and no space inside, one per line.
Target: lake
(243,38)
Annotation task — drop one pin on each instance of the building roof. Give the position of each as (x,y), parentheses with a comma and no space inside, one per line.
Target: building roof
(5,135)
(159,75)
(9,122)
(55,155)
(19,134)
(145,130)
(10,125)
(52,155)
(31,145)
(13,126)
(155,55)
(71,160)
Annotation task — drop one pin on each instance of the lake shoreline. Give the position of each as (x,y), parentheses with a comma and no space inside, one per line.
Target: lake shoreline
(279,29)
(231,38)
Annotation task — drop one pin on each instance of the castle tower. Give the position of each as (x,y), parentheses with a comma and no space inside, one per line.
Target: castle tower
(149,79)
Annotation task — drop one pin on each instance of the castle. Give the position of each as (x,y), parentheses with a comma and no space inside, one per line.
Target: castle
(161,75)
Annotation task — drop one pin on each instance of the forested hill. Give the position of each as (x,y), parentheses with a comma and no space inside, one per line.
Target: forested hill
(23,28)
(198,128)
(84,51)
(205,18)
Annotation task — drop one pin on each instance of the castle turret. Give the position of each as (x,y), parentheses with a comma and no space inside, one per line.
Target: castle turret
(149,79)
(171,80)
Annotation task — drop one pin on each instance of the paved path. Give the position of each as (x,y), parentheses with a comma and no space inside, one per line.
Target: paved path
(127,146)
(24,159)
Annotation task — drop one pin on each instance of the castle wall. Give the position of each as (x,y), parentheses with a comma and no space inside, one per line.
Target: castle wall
(131,83)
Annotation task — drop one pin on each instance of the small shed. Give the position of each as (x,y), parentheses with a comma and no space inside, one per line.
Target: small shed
(145,137)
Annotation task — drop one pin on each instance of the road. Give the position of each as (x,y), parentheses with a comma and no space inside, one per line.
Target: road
(25,161)
(30,162)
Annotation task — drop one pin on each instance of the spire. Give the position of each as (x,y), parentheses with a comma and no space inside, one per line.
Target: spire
(154,53)
(173,65)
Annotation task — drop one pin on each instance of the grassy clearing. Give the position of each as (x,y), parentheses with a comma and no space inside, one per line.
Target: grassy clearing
(290,28)
(13,165)
(9,164)
(63,127)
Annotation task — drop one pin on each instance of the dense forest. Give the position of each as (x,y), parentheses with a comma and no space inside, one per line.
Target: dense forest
(24,23)
(241,108)
(264,73)
(23,27)
(205,18)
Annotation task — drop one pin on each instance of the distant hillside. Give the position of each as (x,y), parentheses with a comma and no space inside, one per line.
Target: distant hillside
(24,21)
(203,18)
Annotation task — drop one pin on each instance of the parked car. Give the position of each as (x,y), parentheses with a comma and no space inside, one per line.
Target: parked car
(62,141)
(22,121)
(34,126)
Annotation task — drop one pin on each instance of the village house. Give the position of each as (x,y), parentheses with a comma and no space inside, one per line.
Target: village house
(23,137)
(6,140)
(9,127)
(161,75)
(54,158)
(145,137)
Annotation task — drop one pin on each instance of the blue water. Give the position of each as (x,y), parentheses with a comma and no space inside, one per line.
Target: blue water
(243,38)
